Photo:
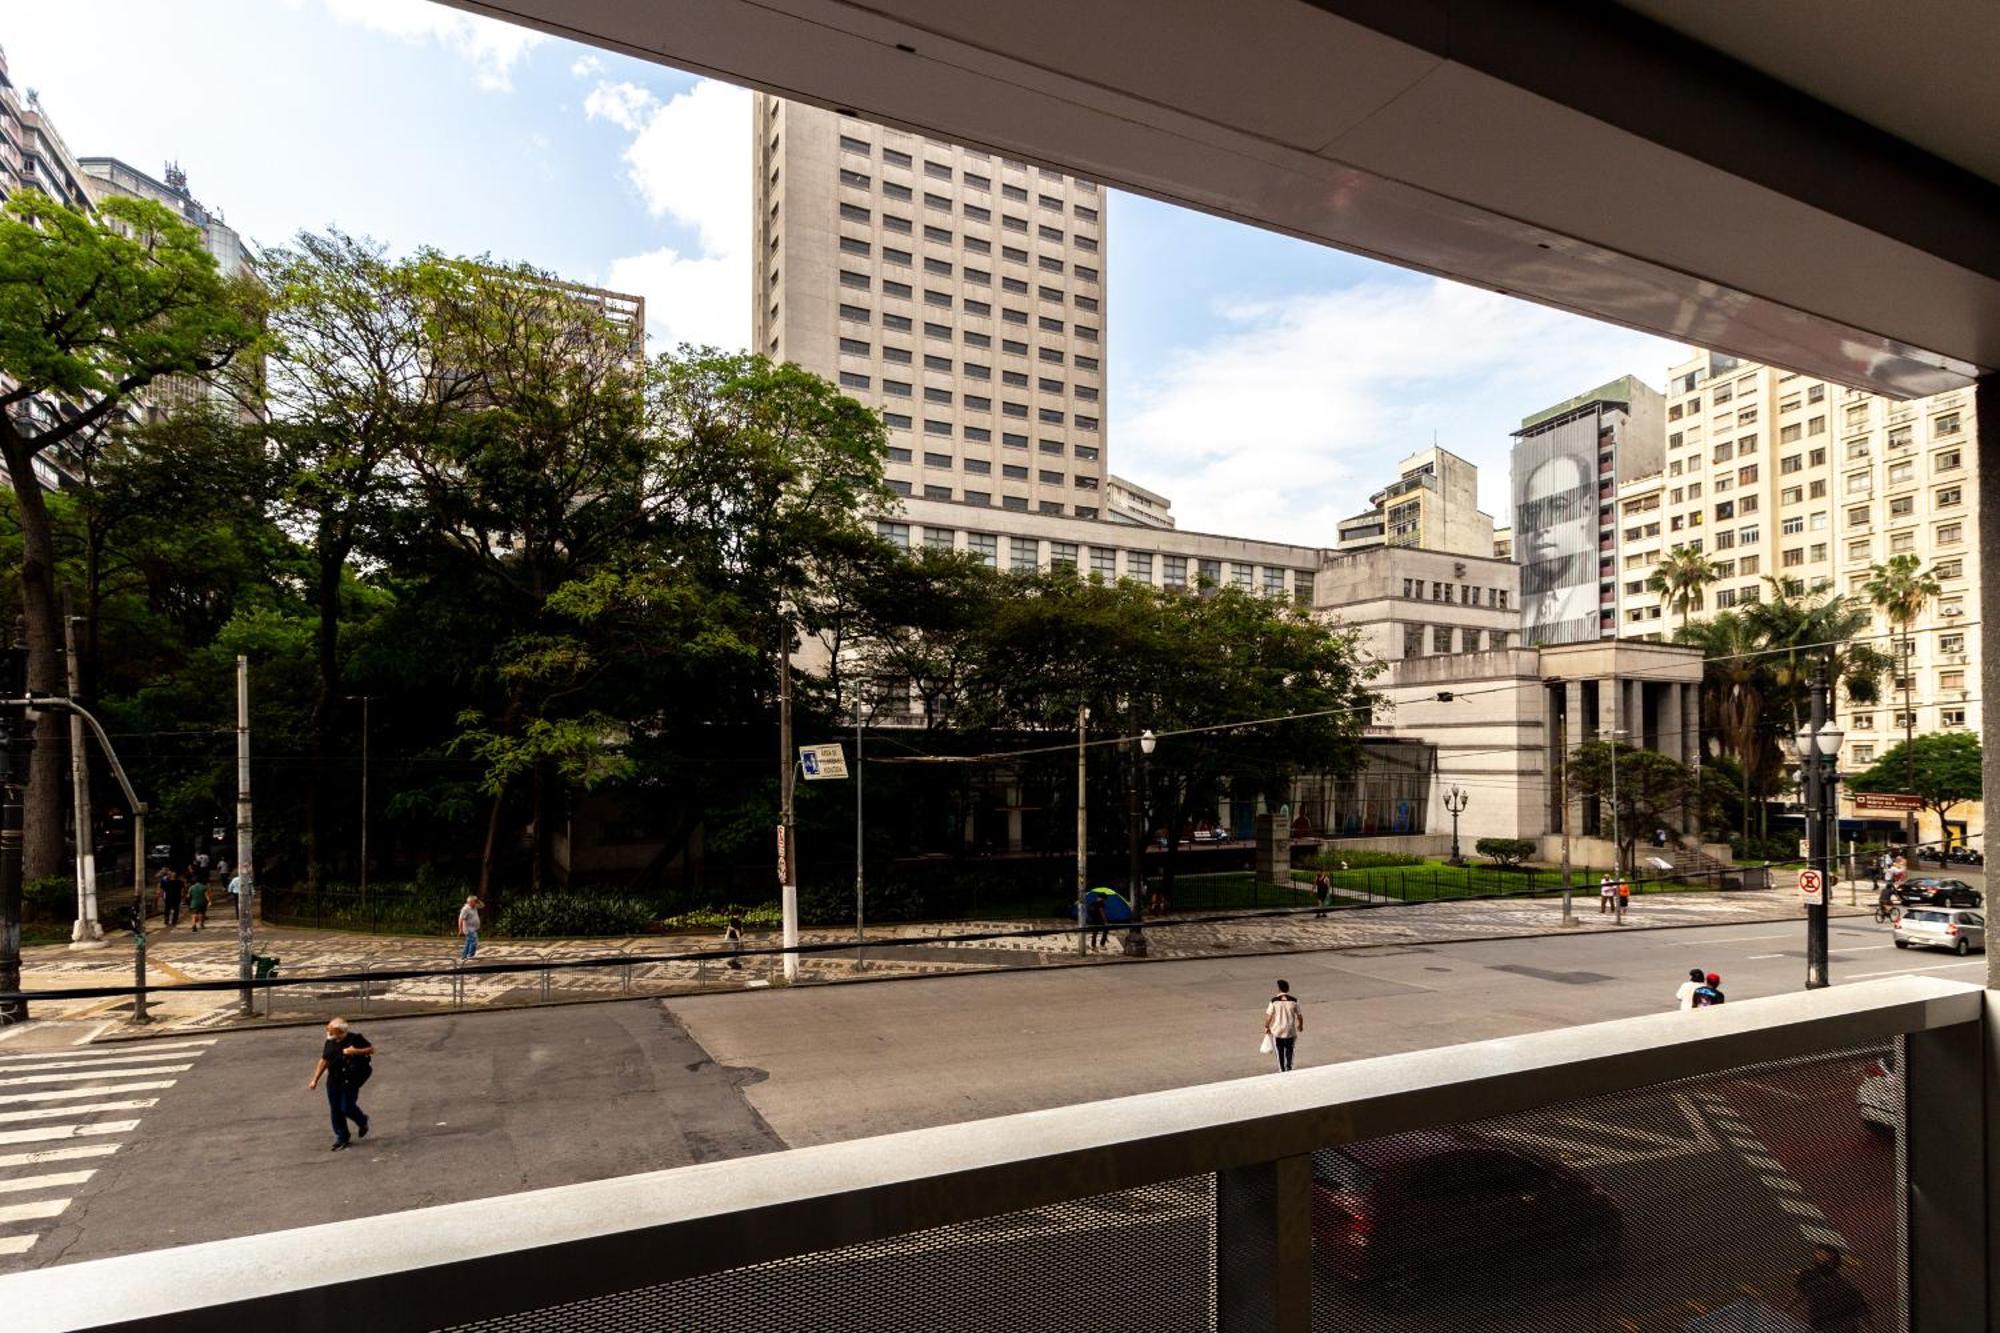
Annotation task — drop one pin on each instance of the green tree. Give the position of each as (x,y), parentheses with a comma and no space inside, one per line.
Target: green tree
(1940,768)
(93,310)
(1648,789)
(1680,573)
(1736,683)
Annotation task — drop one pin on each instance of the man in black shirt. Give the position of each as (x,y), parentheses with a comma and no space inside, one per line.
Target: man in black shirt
(344,1062)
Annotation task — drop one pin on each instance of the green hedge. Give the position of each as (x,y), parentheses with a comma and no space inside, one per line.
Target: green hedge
(563,913)
(1359,858)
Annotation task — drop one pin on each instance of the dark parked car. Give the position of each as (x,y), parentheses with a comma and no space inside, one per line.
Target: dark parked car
(1393,1206)
(1931,891)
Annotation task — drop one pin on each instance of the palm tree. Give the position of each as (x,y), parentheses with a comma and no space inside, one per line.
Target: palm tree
(1679,574)
(1901,590)
(1736,681)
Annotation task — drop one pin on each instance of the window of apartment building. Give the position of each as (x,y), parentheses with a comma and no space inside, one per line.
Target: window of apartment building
(1864,754)
(1746,476)
(1725,598)
(859,281)
(1905,471)
(1816,393)
(1949,569)
(1725,509)
(1104,563)
(974,213)
(1049,478)
(1014,409)
(1817,554)
(1723,393)
(890,222)
(1173,571)
(1015,317)
(1749,564)
(937,266)
(1900,437)
(895,158)
(1815,426)
(1857,415)
(896,388)
(1946,424)
(1863,721)
(896,534)
(1792,495)
(1748,534)
(975,181)
(1859,549)
(1014,471)
(1086,333)
(1013,441)
(1793,557)
(1440,638)
(1017,503)
(1014,378)
(1050,294)
(1139,565)
(1950,534)
(1722,453)
(938,460)
(897,355)
(1792,525)
(1050,415)
(1746,416)
(891,190)
(1951,643)
(1818,521)
(1857,450)
(1051,446)
(1008,222)
(1902,543)
(1789,434)
(1274,582)
(1500,598)
(1413,640)
(935,362)
(855,313)
(1951,680)
(934,427)
(1240,574)
(1952,717)
(901,290)
(1816,490)
(1947,460)
(1674,412)
(1210,573)
(1902,506)
(1062,553)
(978,467)
(1947,496)
(1024,553)
(853,380)
(1014,192)
(1790,464)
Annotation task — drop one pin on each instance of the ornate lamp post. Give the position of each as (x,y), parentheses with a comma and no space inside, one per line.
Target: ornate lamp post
(1135,879)
(1819,748)
(1455,799)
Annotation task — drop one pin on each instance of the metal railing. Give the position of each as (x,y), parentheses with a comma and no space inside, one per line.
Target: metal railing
(1246,1205)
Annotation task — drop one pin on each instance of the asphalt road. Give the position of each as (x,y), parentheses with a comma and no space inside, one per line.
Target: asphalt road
(852,1061)
(231,1143)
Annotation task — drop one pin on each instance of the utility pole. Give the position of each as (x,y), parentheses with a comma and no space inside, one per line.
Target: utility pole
(1562,786)
(245,865)
(88,931)
(16,744)
(1815,757)
(788,878)
(1082,830)
(860,929)
(1906,664)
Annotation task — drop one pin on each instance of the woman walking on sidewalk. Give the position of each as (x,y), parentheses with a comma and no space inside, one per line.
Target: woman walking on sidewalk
(344,1063)
(197,903)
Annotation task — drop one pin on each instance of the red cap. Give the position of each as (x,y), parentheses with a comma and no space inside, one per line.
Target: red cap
(1715,979)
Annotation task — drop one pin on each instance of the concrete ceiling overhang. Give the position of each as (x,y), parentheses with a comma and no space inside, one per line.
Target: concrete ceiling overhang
(1684,180)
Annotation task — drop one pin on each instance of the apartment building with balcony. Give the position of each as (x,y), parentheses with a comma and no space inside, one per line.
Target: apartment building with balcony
(1568,462)
(1778,475)
(1129,502)
(1433,504)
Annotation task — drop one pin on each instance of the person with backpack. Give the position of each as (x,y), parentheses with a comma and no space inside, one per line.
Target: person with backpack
(1709,993)
(1283,1022)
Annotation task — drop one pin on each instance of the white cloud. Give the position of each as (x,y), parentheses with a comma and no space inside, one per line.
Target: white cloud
(689,158)
(492,47)
(586,66)
(1285,419)
(625,105)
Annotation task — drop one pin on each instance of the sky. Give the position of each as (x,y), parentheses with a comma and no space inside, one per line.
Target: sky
(1265,385)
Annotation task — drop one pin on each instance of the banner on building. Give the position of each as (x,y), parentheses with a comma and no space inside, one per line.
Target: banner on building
(1555,531)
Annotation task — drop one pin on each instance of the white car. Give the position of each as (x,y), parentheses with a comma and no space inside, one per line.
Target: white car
(1880,1096)
(1960,929)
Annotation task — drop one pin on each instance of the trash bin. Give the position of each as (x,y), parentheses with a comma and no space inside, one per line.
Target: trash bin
(264,967)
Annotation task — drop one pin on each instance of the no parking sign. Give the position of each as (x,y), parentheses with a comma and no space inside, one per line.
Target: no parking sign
(1812,886)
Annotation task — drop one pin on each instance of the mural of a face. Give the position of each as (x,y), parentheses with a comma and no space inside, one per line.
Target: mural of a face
(1555,535)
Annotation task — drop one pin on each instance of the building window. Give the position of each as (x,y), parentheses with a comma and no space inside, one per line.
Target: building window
(1274,582)
(1062,553)
(1945,425)
(851,380)
(1950,534)
(1104,563)
(896,534)
(1949,496)
(1440,638)
(940,539)
(1210,573)
(1173,571)
(1139,565)
(1025,551)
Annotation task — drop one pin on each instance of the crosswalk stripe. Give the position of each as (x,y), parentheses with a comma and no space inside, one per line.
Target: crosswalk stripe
(48,1181)
(79,1078)
(89,1108)
(18,1244)
(47,1132)
(108,1063)
(42,1155)
(26,1212)
(93,1090)
(109,1052)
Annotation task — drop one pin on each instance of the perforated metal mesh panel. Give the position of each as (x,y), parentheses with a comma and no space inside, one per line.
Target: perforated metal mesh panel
(1687,1206)
(1134,1260)
(1692,1206)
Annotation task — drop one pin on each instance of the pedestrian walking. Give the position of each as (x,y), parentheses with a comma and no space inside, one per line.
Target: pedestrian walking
(236,894)
(345,1062)
(197,904)
(1607,894)
(468,926)
(1684,997)
(1659,837)
(1832,1303)
(170,896)
(1624,898)
(1323,891)
(732,936)
(1100,924)
(1709,993)
(1283,1022)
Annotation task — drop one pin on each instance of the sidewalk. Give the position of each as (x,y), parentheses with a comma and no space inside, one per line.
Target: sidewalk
(179,955)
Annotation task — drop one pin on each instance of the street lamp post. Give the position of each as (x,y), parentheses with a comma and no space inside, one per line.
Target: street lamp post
(1082,830)
(1617,843)
(1819,748)
(860,930)
(1455,799)
(1142,747)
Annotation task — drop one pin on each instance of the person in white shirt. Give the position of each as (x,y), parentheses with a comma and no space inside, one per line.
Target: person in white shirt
(1284,1022)
(1685,995)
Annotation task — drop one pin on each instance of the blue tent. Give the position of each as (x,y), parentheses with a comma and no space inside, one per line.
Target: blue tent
(1113,902)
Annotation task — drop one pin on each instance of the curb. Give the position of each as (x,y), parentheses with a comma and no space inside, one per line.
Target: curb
(125,1037)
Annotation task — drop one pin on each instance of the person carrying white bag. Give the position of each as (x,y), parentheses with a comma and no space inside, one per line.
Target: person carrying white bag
(1283,1022)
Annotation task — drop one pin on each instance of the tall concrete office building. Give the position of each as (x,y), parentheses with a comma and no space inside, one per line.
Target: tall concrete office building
(960,293)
